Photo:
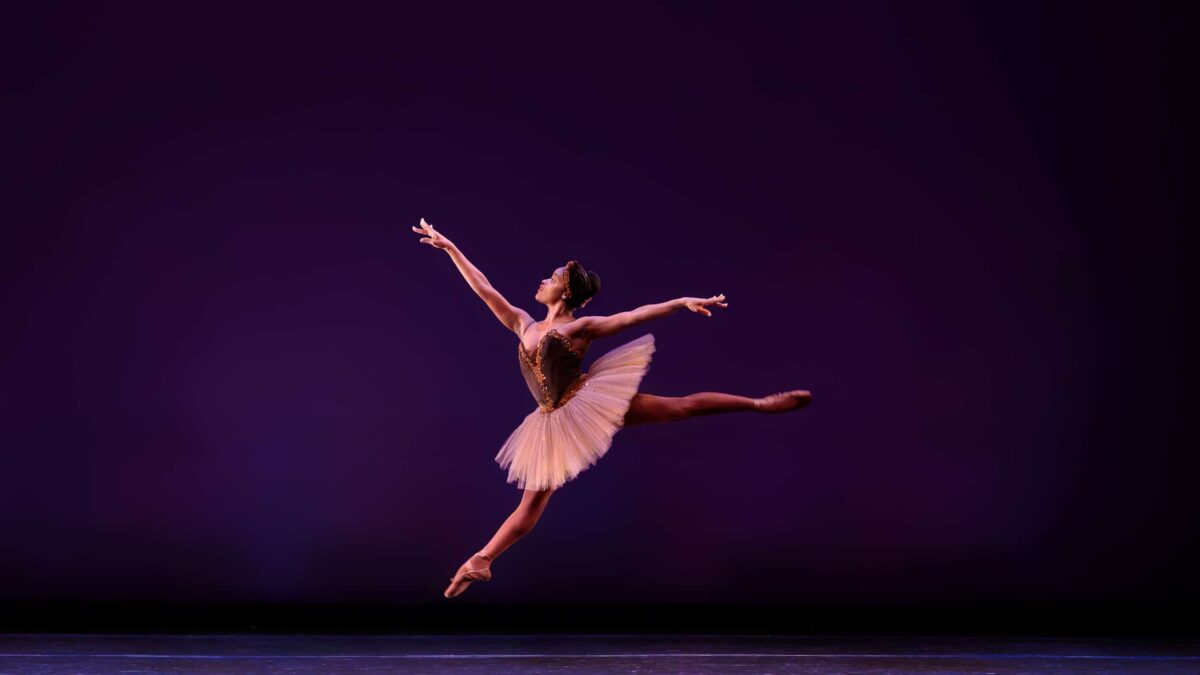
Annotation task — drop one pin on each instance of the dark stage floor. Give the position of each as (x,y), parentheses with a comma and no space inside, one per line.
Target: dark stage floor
(584,653)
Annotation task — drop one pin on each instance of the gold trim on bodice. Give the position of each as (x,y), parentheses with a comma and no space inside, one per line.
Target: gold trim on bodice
(535,365)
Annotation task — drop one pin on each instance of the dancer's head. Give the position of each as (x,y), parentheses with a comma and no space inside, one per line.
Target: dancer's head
(571,285)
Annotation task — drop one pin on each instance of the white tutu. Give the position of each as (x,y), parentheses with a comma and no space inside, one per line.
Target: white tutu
(550,448)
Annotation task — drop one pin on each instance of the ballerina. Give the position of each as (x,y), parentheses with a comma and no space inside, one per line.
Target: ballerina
(578,412)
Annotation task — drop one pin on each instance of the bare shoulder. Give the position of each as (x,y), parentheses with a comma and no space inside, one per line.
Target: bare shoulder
(577,332)
(578,329)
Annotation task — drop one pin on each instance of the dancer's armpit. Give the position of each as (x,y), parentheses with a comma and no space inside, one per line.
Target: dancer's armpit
(514,318)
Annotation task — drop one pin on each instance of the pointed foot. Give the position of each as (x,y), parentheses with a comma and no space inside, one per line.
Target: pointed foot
(783,401)
(481,570)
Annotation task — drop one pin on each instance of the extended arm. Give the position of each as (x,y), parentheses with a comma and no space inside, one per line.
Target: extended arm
(601,326)
(514,318)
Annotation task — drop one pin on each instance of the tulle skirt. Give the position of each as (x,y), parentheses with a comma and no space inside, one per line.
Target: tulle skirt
(550,448)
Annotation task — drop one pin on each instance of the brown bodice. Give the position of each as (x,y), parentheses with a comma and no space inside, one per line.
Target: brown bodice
(555,372)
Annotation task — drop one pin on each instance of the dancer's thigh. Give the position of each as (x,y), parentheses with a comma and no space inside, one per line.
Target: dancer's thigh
(536,499)
(646,408)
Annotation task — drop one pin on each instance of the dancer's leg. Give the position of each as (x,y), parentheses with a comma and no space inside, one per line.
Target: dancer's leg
(520,522)
(517,525)
(645,408)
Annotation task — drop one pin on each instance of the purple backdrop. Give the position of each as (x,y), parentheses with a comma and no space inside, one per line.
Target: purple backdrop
(230,371)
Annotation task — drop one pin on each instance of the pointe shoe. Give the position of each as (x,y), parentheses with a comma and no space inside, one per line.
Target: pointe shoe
(467,574)
(783,401)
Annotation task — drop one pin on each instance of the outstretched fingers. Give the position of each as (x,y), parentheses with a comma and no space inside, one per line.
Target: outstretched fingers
(434,237)
(718,300)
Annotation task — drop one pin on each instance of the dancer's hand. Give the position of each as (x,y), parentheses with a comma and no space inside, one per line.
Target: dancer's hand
(435,239)
(698,305)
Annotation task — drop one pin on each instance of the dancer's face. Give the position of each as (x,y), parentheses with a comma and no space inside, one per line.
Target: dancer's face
(553,286)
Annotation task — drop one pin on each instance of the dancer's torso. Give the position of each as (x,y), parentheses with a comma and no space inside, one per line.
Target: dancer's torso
(553,366)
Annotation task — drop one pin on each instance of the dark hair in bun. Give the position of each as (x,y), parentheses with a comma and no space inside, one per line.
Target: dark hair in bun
(582,284)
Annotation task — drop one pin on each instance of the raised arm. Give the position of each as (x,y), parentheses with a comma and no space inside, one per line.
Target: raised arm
(513,318)
(601,326)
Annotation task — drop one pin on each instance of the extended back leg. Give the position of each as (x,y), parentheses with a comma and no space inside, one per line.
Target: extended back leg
(646,408)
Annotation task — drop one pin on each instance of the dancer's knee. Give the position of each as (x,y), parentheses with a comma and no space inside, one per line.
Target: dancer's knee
(527,520)
(685,407)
